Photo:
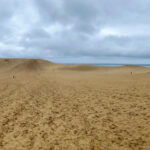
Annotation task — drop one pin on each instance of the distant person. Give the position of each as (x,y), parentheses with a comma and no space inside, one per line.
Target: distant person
(14,76)
(131,73)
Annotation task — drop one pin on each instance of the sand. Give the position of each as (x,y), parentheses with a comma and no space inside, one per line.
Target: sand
(49,106)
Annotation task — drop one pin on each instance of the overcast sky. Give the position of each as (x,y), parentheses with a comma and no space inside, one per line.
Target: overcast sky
(76,31)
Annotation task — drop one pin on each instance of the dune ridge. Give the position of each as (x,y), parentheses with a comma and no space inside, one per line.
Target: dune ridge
(26,65)
(17,64)
(80,67)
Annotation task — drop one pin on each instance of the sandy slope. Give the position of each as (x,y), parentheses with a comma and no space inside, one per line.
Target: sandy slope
(57,107)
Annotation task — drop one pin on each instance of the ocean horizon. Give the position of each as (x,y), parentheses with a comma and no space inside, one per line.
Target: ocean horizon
(107,64)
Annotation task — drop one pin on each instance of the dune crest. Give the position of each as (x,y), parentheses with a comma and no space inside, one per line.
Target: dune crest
(80,67)
(31,65)
(19,65)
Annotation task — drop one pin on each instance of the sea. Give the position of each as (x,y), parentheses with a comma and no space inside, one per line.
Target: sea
(105,64)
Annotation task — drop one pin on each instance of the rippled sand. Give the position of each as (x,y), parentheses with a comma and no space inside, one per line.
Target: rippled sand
(48,106)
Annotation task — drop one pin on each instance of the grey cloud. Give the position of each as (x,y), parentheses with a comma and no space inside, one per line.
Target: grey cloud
(72,28)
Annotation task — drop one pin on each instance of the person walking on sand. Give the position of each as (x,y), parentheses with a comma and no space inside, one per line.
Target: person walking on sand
(131,72)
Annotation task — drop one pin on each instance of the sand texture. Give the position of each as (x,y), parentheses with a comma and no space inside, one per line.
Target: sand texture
(49,106)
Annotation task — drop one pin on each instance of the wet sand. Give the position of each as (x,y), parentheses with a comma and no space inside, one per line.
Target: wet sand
(48,106)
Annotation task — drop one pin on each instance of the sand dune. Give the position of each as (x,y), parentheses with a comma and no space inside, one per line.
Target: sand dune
(31,65)
(133,66)
(80,67)
(60,107)
(25,65)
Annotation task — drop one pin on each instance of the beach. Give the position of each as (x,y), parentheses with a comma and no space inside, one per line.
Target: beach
(48,106)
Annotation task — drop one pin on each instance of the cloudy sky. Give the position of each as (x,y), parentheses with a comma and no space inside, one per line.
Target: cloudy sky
(76,31)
